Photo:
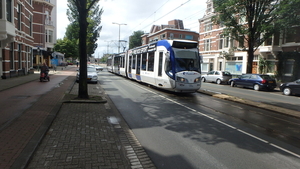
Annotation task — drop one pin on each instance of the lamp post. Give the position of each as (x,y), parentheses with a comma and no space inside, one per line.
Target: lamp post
(119,33)
(38,58)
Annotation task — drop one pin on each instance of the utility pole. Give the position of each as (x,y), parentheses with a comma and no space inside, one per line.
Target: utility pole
(119,33)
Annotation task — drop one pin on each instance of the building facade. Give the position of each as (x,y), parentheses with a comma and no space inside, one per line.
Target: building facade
(26,36)
(174,30)
(43,32)
(224,53)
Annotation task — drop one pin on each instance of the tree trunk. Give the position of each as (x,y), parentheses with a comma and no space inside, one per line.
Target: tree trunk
(83,86)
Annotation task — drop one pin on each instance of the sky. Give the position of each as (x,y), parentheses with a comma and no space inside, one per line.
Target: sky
(137,15)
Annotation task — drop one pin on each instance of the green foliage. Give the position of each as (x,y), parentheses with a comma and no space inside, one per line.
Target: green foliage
(93,29)
(135,39)
(254,20)
(68,47)
(264,65)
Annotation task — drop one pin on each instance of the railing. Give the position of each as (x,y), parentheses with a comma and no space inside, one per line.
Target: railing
(48,22)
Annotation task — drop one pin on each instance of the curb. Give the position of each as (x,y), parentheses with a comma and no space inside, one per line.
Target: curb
(276,109)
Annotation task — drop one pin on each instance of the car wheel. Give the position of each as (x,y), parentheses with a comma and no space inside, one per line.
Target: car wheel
(287,91)
(256,87)
(232,84)
(218,81)
(203,79)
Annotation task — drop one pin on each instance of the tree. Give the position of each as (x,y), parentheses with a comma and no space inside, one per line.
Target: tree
(135,39)
(94,28)
(252,21)
(68,47)
(81,10)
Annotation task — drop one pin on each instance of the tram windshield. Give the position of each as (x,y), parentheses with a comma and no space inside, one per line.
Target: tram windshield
(186,60)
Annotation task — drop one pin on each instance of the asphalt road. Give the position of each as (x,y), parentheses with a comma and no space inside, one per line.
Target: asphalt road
(199,131)
(273,98)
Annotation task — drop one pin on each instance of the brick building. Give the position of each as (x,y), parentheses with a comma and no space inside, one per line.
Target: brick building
(25,26)
(174,30)
(214,47)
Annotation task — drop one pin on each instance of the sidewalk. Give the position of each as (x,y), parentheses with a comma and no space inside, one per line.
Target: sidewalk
(60,131)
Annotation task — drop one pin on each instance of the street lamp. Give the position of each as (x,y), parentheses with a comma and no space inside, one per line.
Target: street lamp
(38,57)
(119,33)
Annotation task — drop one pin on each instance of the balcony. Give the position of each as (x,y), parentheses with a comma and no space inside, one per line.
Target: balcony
(7,31)
(264,49)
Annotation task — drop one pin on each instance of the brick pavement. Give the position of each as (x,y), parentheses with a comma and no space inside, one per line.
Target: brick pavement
(20,138)
(53,134)
(89,134)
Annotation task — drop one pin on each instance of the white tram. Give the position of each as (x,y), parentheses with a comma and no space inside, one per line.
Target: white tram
(168,64)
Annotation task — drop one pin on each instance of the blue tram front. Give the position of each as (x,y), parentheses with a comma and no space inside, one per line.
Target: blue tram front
(169,64)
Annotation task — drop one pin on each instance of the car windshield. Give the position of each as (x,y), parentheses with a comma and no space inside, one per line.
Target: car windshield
(91,69)
(187,60)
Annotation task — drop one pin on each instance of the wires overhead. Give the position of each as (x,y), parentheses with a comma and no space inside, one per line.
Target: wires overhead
(163,15)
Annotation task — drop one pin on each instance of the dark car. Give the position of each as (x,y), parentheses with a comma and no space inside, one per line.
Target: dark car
(290,88)
(217,77)
(255,81)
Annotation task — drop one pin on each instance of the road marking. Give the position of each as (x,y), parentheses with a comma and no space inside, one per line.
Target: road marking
(225,124)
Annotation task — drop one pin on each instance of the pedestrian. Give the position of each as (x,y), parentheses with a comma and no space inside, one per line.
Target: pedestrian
(77,64)
(45,69)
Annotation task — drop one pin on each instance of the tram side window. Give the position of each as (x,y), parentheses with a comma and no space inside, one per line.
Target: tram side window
(122,62)
(151,61)
(133,61)
(144,61)
(160,64)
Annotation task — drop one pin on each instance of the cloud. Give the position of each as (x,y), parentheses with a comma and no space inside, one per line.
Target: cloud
(138,15)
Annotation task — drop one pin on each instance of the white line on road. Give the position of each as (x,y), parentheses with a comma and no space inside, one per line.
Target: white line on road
(228,125)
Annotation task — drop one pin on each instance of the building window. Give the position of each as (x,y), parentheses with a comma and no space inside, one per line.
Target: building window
(11,56)
(171,36)
(8,10)
(204,67)
(226,42)
(29,1)
(241,42)
(208,27)
(289,66)
(207,45)
(221,41)
(30,25)
(19,15)
(20,56)
(189,37)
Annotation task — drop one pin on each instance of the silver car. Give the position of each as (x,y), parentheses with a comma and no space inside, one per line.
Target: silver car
(218,77)
(92,75)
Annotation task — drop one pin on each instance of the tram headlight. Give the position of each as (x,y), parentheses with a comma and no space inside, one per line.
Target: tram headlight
(197,80)
(181,79)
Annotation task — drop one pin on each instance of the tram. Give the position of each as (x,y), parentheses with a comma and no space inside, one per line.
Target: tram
(173,65)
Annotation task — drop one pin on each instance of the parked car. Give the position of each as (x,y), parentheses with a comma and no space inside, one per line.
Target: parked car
(217,77)
(290,88)
(92,75)
(98,67)
(255,81)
